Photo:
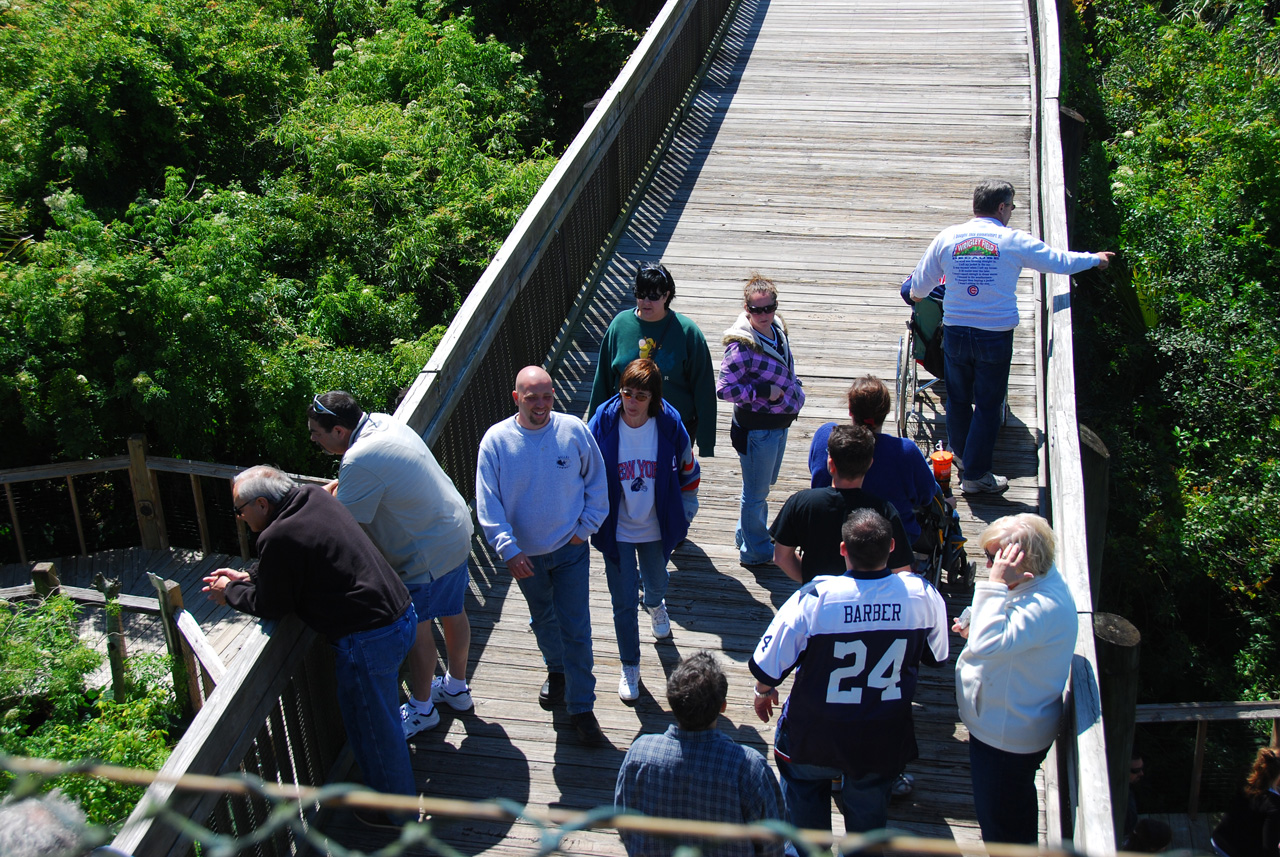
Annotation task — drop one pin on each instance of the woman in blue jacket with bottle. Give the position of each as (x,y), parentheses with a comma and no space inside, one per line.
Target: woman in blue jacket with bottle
(648,463)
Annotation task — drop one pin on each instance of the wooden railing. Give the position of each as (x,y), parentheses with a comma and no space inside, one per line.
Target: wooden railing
(209,523)
(1201,713)
(275,713)
(1078,797)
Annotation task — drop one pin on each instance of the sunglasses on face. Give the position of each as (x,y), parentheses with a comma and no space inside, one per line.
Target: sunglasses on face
(638,395)
(761,310)
(649,295)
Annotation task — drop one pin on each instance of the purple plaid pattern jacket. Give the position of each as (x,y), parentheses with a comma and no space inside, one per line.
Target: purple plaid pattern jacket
(747,372)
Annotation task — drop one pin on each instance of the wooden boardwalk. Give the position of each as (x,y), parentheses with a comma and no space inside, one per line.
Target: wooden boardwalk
(829,144)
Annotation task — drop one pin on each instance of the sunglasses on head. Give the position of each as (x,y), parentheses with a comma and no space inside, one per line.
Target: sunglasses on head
(761,310)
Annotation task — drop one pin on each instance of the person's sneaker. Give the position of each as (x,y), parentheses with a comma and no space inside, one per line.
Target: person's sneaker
(661,621)
(415,721)
(629,684)
(588,728)
(552,692)
(904,785)
(460,701)
(988,484)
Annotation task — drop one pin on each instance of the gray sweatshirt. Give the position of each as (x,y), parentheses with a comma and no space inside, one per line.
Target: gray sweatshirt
(537,489)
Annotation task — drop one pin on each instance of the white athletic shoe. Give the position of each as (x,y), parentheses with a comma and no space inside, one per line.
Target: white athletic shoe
(414,721)
(988,484)
(460,701)
(629,684)
(661,621)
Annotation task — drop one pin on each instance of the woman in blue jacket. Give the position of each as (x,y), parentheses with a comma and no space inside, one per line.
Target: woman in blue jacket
(648,463)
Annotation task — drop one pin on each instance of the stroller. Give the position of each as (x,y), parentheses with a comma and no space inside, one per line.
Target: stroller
(941,544)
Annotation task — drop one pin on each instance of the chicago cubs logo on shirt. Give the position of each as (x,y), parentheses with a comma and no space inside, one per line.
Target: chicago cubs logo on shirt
(973,291)
(976,246)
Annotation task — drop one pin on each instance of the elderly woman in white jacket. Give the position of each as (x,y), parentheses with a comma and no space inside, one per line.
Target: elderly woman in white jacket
(1011,675)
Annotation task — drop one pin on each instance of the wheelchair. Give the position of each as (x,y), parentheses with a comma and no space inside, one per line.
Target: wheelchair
(921,348)
(940,547)
(913,351)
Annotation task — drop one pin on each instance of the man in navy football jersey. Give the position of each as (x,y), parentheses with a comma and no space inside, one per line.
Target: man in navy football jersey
(862,637)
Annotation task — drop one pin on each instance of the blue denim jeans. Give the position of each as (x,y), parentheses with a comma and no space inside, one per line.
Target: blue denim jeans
(1004,793)
(624,591)
(760,468)
(560,616)
(977,367)
(806,793)
(367,664)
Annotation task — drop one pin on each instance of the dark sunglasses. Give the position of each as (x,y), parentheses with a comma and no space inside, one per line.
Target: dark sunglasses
(761,310)
(651,295)
(320,408)
(240,509)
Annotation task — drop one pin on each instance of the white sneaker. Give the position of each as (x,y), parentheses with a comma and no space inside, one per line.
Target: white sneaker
(414,721)
(629,684)
(661,621)
(988,484)
(460,701)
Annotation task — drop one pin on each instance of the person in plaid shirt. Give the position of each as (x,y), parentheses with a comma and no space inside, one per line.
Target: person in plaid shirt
(693,770)
(758,374)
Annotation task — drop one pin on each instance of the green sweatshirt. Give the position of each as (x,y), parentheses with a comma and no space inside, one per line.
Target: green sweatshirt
(677,345)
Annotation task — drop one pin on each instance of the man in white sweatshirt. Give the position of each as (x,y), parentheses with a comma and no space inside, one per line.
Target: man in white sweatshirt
(980,262)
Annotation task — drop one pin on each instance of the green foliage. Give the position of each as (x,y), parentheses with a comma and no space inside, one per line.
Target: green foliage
(231,216)
(1180,350)
(45,710)
(42,661)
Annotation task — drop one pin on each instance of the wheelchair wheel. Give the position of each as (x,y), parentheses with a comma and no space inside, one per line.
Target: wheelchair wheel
(905,389)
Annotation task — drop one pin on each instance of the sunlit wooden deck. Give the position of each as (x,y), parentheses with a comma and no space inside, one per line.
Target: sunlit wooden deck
(829,143)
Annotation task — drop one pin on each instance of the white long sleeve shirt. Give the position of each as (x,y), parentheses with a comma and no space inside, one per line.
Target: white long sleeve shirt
(982,260)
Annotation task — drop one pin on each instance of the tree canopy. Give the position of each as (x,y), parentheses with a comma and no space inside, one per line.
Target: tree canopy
(235,204)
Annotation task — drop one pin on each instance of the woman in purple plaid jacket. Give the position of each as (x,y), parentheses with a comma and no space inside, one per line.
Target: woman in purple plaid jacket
(758,374)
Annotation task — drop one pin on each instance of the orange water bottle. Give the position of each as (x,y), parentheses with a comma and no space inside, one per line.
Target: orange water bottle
(941,460)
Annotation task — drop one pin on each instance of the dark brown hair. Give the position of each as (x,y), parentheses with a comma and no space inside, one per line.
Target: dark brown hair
(869,402)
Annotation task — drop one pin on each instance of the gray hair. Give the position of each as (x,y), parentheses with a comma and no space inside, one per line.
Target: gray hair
(989,195)
(50,825)
(1030,532)
(263,481)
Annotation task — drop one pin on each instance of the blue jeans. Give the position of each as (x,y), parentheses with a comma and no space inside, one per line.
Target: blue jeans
(977,367)
(624,591)
(367,664)
(806,793)
(760,468)
(560,616)
(1004,793)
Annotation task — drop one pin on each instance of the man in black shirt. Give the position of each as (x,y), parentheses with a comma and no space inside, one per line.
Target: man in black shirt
(806,533)
(315,560)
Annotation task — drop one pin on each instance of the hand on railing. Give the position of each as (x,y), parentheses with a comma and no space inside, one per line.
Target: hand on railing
(217,583)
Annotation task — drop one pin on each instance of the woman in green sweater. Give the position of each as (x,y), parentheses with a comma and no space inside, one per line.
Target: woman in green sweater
(673,341)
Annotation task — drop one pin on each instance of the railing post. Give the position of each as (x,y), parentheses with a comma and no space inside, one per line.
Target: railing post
(1117,643)
(185,668)
(1095,470)
(110,590)
(146,501)
(44,577)
(1197,768)
(75,513)
(17,530)
(202,520)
